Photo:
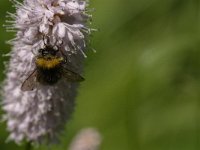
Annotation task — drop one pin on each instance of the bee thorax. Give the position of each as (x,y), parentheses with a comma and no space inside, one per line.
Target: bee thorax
(48,63)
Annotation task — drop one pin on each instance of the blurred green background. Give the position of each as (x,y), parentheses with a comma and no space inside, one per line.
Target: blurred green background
(142,88)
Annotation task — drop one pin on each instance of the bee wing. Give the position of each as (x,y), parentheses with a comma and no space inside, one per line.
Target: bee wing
(30,83)
(72,76)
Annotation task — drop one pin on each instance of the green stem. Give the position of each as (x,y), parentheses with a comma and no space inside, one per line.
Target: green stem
(28,146)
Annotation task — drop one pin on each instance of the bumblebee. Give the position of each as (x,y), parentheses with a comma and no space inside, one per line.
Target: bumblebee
(50,68)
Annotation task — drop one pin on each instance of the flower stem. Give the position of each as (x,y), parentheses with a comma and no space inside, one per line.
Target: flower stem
(28,146)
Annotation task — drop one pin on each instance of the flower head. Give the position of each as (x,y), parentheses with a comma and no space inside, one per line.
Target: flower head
(86,139)
(40,114)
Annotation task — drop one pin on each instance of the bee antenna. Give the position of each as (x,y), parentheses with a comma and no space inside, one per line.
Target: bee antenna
(46,41)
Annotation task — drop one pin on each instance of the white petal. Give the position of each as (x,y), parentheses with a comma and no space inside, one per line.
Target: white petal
(60,30)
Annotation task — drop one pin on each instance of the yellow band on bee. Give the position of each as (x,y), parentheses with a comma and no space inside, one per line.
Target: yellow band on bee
(48,64)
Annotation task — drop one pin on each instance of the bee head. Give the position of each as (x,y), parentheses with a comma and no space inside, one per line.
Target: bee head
(48,58)
(48,52)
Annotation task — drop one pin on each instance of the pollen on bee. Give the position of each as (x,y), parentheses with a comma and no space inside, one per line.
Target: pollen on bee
(48,63)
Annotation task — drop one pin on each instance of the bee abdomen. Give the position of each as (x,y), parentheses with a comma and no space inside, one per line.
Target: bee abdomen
(49,77)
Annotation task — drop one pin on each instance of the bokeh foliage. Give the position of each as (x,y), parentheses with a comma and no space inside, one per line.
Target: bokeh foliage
(142,88)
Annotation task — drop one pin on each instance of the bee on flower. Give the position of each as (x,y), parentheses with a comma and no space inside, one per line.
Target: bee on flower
(42,77)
